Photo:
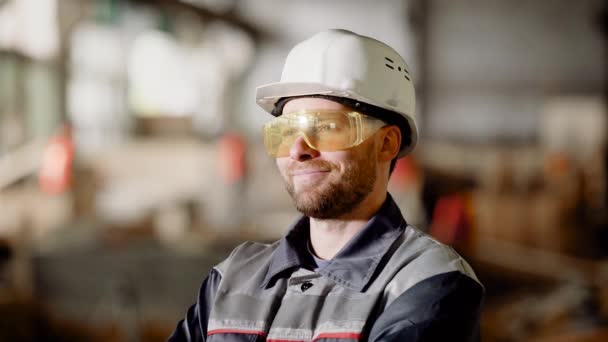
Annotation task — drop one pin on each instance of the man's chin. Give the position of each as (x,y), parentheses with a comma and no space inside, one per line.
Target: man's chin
(312,210)
(305,190)
(306,198)
(316,204)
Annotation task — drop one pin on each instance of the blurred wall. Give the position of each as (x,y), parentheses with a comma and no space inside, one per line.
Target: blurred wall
(493,64)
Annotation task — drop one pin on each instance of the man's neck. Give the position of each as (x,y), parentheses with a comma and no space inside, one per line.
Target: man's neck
(328,236)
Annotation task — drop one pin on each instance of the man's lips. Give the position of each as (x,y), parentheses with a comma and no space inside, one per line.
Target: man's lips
(307,172)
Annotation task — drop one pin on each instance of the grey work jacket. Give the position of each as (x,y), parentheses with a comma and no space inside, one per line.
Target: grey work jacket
(391,282)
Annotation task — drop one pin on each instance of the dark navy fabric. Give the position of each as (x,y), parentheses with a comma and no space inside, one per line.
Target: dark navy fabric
(445,307)
(194,326)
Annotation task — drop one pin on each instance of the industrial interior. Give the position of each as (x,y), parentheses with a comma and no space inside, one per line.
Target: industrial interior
(132,161)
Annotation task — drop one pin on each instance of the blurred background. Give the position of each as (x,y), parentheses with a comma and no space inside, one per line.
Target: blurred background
(131,157)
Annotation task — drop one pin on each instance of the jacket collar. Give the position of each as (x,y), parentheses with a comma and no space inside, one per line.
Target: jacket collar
(356,263)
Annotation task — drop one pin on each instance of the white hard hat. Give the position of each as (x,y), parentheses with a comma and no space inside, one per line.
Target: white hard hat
(362,71)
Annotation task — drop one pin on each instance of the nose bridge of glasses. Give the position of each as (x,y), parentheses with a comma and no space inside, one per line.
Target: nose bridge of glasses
(305,137)
(300,148)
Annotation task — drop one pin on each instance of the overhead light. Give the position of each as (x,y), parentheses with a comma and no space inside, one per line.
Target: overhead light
(31,27)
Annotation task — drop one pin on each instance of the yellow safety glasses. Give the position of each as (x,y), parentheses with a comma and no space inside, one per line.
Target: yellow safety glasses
(323,130)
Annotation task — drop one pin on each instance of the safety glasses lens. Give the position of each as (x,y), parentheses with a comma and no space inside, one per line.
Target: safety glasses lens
(321,130)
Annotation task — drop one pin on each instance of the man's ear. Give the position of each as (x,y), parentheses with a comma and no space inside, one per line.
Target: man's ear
(391,141)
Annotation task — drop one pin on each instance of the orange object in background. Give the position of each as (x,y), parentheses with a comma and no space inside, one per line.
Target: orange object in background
(406,173)
(450,223)
(56,166)
(231,149)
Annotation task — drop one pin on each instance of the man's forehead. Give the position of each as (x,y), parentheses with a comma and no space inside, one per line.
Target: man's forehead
(312,103)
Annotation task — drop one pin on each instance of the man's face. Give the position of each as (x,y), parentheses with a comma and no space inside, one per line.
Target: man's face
(327,185)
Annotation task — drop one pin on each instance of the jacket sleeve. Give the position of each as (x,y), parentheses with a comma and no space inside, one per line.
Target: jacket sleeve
(193,328)
(445,307)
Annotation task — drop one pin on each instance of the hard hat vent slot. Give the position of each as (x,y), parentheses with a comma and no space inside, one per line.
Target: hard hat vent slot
(399,68)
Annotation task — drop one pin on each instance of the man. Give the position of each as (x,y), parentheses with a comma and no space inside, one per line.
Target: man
(350,268)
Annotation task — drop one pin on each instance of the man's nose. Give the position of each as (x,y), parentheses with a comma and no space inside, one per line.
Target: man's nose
(301,151)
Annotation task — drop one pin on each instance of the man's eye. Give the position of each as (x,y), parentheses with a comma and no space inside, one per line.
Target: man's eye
(328,127)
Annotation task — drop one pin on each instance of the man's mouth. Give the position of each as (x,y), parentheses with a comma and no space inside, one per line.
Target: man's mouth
(308,172)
